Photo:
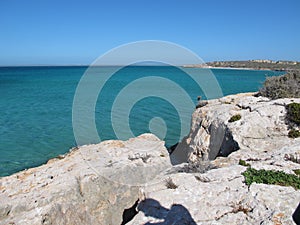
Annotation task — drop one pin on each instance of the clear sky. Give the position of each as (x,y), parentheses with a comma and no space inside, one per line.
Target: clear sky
(78,31)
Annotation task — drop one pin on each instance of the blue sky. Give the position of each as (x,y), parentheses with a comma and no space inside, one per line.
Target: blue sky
(37,32)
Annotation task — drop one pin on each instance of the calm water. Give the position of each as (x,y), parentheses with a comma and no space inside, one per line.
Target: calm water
(36,107)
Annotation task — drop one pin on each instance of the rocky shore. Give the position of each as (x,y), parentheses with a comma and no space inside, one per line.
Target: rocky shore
(137,182)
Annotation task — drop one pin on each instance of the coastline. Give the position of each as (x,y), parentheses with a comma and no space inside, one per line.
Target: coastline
(229,68)
(98,183)
(67,76)
(251,65)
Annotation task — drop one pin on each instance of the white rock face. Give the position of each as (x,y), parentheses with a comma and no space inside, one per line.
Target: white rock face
(261,128)
(90,185)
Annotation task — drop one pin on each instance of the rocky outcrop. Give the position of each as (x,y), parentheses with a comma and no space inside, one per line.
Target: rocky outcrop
(261,127)
(220,195)
(91,185)
(133,182)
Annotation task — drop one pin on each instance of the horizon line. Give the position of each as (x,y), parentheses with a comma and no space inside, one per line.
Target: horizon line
(140,64)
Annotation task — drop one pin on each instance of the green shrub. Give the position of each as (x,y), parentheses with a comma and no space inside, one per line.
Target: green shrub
(271,177)
(294,133)
(234,118)
(243,163)
(293,113)
(285,86)
(297,172)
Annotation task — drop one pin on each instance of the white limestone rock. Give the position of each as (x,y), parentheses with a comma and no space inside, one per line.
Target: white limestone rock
(90,185)
(218,196)
(262,127)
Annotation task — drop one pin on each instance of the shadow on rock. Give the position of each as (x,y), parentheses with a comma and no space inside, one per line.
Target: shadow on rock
(296,215)
(176,215)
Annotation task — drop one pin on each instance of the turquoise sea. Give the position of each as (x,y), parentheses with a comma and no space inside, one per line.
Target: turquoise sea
(36,107)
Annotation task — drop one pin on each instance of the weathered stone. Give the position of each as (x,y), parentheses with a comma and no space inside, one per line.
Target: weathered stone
(262,127)
(90,185)
(217,197)
(220,196)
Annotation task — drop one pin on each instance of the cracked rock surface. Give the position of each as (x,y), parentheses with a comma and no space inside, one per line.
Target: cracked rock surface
(90,185)
(218,196)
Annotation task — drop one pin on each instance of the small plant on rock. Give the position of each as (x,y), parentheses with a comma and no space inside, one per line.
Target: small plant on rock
(271,177)
(235,118)
(297,172)
(243,163)
(294,133)
(293,113)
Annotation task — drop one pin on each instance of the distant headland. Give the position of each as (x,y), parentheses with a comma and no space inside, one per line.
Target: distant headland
(261,64)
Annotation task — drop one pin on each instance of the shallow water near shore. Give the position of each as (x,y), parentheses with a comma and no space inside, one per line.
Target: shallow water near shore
(36,107)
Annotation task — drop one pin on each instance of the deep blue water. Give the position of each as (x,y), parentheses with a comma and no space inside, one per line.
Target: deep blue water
(36,107)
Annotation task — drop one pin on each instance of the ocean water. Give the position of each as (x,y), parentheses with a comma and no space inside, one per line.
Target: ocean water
(36,107)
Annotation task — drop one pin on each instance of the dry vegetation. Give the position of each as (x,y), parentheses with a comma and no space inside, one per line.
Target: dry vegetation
(285,86)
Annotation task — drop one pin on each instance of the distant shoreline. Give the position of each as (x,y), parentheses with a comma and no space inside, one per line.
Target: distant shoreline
(250,65)
(227,68)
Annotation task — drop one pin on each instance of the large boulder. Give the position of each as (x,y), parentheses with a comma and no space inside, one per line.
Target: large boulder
(93,184)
